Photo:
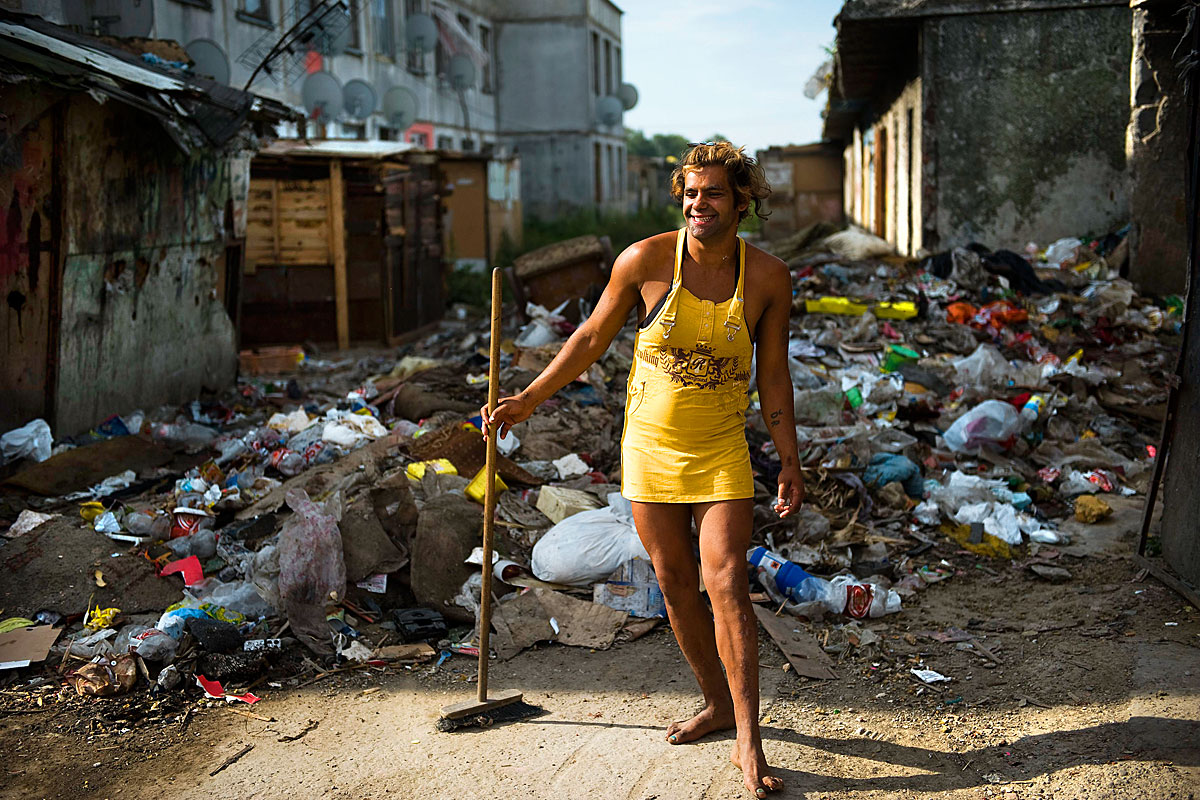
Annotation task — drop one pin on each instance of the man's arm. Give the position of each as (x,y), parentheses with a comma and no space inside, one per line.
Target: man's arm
(775,385)
(589,341)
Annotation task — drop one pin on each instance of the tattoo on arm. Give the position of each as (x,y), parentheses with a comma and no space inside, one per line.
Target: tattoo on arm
(775,415)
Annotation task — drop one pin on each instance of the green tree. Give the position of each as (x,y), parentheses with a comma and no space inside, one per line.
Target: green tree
(637,144)
(670,144)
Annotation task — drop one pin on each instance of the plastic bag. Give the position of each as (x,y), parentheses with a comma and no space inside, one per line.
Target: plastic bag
(991,423)
(352,430)
(312,572)
(984,367)
(586,548)
(1062,252)
(239,596)
(33,440)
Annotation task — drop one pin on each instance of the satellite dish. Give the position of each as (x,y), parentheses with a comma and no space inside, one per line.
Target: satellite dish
(124,18)
(322,96)
(609,110)
(400,107)
(462,72)
(208,59)
(421,33)
(628,95)
(358,98)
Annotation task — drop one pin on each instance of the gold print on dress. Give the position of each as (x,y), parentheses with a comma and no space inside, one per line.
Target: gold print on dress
(698,368)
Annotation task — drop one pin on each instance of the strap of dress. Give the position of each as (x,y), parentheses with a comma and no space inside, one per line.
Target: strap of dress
(667,320)
(735,318)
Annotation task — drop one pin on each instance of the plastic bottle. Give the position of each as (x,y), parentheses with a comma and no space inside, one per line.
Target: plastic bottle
(842,595)
(1032,410)
(287,462)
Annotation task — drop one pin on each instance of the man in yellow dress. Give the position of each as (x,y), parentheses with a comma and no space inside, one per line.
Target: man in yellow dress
(707,303)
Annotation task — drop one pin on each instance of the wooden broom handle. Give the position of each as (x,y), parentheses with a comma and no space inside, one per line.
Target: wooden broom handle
(489,496)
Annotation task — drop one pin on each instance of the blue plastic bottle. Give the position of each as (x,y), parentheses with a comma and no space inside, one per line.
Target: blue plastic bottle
(791,579)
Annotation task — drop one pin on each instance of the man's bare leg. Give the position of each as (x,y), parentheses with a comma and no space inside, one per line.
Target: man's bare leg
(665,530)
(724,538)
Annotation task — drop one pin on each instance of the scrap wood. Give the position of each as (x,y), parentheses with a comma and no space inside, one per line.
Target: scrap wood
(232,759)
(249,714)
(798,647)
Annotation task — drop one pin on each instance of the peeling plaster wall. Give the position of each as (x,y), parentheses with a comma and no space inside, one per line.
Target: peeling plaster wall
(1157,149)
(1031,109)
(143,224)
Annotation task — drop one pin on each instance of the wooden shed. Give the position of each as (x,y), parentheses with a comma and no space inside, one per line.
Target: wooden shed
(343,243)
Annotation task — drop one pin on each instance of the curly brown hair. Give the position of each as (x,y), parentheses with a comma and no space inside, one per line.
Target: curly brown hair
(745,174)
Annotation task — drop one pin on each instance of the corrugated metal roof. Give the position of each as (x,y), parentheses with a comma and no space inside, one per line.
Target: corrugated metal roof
(195,112)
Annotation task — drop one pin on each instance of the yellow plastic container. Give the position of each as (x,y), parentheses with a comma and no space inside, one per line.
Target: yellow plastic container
(834,305)
(478,486)
(902,310)
(844,305)
(441,466)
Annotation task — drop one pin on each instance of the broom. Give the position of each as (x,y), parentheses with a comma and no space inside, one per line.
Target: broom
(507,705)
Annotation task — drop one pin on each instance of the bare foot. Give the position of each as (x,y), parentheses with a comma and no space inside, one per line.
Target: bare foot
(750,760)
(710,719)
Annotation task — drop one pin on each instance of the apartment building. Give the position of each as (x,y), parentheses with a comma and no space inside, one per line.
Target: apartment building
(536,78)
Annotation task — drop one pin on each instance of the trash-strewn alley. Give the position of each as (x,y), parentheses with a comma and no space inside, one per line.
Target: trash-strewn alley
(260,537)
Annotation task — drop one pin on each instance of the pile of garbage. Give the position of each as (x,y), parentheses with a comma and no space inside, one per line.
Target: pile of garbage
(994,400)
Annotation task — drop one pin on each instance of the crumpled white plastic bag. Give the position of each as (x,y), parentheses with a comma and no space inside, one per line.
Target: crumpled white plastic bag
(32,440)
(587,547)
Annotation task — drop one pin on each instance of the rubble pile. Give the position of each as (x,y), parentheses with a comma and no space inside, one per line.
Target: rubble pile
(994,402)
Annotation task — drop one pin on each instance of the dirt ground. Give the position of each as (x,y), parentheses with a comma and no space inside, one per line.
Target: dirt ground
(1097,696)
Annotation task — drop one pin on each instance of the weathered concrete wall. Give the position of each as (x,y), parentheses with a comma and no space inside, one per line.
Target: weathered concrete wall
(548,114)
(1157,150)
(1030,113)
(143,224)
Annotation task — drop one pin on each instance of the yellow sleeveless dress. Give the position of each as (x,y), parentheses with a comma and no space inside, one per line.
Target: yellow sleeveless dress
(685,413)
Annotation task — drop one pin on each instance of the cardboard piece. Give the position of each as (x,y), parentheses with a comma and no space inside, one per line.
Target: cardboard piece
(798,646)
(409,653)
(81,467)
(24,646)
(544,615)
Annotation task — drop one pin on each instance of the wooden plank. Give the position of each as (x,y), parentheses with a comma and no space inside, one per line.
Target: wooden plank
(798,646)
(275,217)
(337,248)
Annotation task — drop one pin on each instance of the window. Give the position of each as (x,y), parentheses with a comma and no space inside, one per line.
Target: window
(389,134)
(618,58)
(352,130)
(414,59)
(354,43)
(608,67)
(445,143)
(465,22)
(259,9)
(419,138)
(596,63)
(612,172)
(384,25)
(468,145)
(485,42)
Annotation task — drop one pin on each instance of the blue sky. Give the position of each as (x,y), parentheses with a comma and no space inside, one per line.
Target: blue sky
(735,67)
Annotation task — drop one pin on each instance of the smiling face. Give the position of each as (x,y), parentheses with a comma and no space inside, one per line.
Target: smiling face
(710,206)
